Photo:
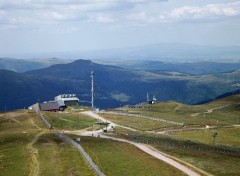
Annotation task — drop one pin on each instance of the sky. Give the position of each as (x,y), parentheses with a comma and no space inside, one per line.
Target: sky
(37,26)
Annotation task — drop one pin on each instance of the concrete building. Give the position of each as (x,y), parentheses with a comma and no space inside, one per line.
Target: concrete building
(52,106)
(68,99)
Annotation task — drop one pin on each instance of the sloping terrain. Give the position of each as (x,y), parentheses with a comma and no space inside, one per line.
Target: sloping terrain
(129,86)
(194,68)
(192,143)
(114,86)
(23,65)
(19,91)
(27,148)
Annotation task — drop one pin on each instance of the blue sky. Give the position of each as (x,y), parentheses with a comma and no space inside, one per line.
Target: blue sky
(35,26)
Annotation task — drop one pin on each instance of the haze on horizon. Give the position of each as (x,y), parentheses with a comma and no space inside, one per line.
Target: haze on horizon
(36,26)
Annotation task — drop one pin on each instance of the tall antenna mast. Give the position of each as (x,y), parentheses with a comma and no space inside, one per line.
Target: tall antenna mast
(92,90)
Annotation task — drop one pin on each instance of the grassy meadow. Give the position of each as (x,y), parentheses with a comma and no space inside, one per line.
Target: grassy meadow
(219,113)
(225,136)
(27,148)
(217,164)
(195,115)
(214,163)
(59,158)
(120,159)
(139,123)
(17,130)
(69,121)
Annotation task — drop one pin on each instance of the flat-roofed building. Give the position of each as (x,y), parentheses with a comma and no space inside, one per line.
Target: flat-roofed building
(52,106)
(68,99)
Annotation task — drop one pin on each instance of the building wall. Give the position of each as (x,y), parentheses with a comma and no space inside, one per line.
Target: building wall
(71,103)
(68,99)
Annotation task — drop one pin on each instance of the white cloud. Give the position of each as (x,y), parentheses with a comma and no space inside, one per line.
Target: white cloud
(127,13)
(208,12)
(141,17)
(104,19)
(62,11)
(85,5)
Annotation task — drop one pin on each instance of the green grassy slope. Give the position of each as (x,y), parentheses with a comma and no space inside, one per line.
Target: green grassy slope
(68,121)
(27,148)
(223,114)
(118,159)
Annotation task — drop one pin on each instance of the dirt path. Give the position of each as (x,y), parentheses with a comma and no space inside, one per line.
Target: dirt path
(96,116)
(178,107)
(158,155)
(209,111)
(33,152)
(143,147)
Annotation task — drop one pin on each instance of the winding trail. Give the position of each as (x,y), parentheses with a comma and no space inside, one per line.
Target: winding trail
(143,147)
(33,152)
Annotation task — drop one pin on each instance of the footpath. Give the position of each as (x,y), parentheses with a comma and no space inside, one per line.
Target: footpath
(145,148)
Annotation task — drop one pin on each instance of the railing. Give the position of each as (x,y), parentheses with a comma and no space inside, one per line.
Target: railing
(69,141)
(82,151)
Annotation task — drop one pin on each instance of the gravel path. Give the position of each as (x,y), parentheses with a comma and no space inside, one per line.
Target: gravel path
(143,147)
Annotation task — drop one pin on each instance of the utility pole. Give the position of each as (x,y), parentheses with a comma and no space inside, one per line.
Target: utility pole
(92,90)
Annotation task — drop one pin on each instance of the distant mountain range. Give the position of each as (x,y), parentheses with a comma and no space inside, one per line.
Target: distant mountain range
(170,52)
(23,65)
(166,52)
(114,86)
(194,68)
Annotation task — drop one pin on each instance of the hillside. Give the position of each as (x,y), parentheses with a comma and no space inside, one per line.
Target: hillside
(28,147)
(23,65)
(18,91)
(114,86)
(194,142)
(130,86)
(194,68)
(155,66)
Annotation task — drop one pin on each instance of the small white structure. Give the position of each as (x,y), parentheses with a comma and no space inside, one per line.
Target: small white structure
(68,99)
(153,101)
